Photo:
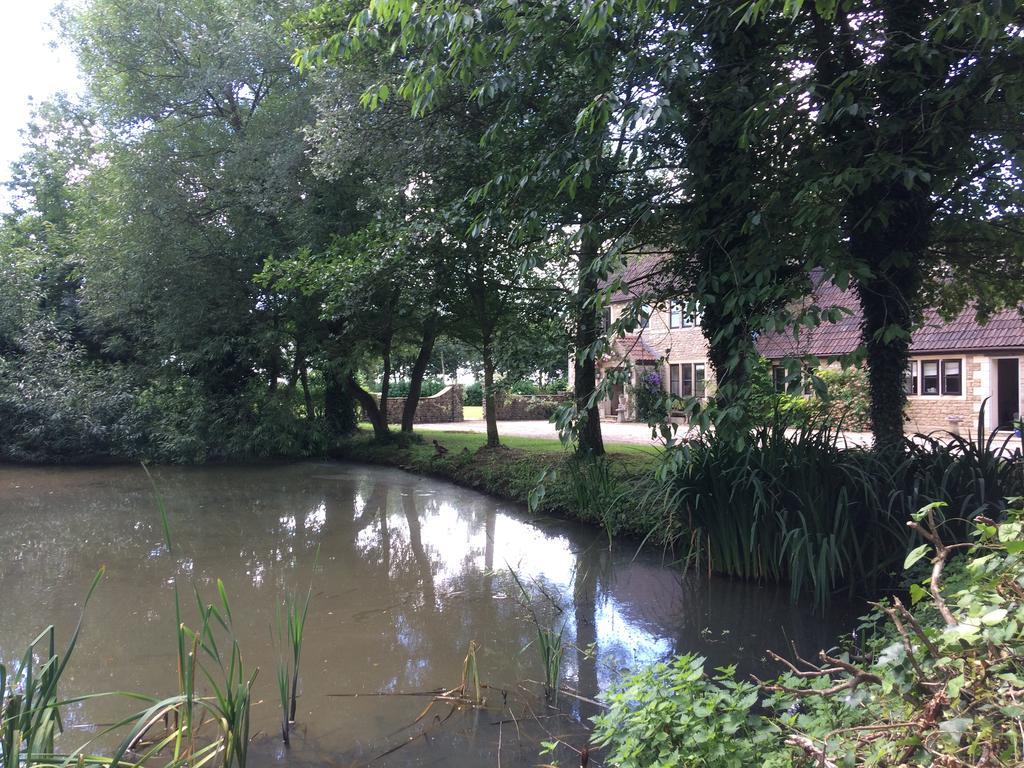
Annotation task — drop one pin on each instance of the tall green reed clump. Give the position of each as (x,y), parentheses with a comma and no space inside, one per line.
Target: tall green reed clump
(973,475)
(291,625)
(549,645)
(551,648)
(594,492)
(212,653)
(30,717)
(799,507)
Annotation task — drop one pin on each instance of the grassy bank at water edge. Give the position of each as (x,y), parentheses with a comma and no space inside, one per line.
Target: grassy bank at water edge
(514,470)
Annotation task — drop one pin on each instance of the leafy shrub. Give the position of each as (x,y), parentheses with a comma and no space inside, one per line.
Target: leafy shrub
(650,398)
(847,402)
(673,715)
(797,507)
(56,406)
(556,386)
(765,406)
(936,683)
(401,388)
(474,394)
(940,683)
(524,387)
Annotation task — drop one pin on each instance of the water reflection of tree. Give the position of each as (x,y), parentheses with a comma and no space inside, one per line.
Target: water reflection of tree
(426,570)
(397,600)
(590,563)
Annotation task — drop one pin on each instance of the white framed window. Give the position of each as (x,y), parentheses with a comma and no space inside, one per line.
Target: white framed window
(952,377)
(645,316)
(688,379)
(692,320)
(930,377)
(910,378)
(779,374)
(675,314)
(699,380)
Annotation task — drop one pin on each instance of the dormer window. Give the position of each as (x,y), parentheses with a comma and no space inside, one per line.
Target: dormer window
(679,318)
(645,316)
(695,318)
(675,314)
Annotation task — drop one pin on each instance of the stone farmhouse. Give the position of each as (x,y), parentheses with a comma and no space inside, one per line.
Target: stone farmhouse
(955,366)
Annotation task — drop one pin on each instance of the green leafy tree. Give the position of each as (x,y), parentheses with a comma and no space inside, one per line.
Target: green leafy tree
(912,185)
(554,166)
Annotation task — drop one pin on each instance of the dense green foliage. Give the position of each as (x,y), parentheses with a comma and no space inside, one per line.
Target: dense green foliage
(800,508)
(205,259)
(259,210)
(474,394)
(671,714)
(936,683)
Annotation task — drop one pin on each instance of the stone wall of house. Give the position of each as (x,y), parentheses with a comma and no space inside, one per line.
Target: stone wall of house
(445,406)
(928,413)
(512,407)
(680,345)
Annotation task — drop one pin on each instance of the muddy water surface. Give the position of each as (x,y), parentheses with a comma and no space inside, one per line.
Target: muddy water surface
(410,571)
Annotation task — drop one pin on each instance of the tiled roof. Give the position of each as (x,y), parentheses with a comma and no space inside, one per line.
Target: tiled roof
(828,339)
(645,273)
(633,346)
(1005,330)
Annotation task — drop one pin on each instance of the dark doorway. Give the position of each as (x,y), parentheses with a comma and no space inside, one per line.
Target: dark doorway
(1007,392)
(614,400)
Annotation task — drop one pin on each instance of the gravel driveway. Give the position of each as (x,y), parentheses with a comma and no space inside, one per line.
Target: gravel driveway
(612,431)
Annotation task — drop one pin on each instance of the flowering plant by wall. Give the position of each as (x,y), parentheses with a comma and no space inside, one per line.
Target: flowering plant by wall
(651,381)
(650,398)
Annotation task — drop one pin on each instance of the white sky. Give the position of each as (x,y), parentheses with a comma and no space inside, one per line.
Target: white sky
(31,68)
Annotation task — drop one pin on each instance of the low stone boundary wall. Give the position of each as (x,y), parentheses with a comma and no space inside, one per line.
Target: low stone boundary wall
(512,407)
(445,406)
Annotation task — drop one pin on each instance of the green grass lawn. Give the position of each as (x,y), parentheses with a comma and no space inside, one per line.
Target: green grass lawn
(473,441)
(512,471)
(456,442)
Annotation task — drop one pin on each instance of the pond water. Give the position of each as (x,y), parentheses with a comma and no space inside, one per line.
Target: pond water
(410,571)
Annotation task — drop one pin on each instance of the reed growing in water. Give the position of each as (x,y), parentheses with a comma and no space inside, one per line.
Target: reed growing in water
(797,506)
(291,625)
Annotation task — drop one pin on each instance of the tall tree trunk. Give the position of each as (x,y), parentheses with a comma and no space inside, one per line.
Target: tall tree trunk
(275,371)
(730,352)
(339,413)
(588,329)
(306,394)
(490,401)
(370,408)
(293,379)
(418,369)
(385,381)
(889,301)
(888,224)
